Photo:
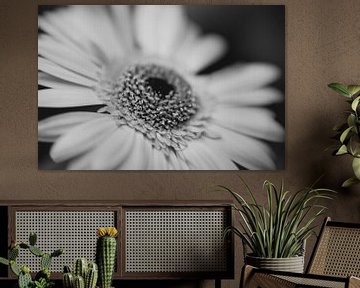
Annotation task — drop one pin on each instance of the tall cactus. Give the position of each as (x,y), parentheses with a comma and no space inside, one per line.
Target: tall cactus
(106,254)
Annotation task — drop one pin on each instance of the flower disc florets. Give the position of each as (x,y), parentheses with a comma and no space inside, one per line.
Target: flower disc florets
(155,101)
(153,95)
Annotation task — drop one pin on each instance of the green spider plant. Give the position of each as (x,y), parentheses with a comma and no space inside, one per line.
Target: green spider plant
(279,229)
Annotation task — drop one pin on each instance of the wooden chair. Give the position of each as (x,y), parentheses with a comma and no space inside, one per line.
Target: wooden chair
(334,263)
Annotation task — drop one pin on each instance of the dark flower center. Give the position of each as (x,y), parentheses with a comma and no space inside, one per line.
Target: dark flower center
(153,95)
(160,86)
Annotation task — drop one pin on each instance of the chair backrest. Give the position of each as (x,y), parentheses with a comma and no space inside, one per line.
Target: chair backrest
(337,251)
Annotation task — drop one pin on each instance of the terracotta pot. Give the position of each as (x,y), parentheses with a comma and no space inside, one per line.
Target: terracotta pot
(291,264)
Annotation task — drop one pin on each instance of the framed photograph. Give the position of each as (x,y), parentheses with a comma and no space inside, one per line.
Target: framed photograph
(161,87)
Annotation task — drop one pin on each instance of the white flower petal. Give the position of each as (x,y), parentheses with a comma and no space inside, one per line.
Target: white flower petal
(158,160)
(220,159)
(256,122)
(52,127)
(203,52)
(50,81)
(202,157)
(66,57)
(63,73)
(102,32)
(81,139)
(108,154)
(176,163)
(62,24)
(171,30)
(67,97)
(246,151)
(262,96)
(125,149)
(79,163)
(160,29)
(187,43)
(123,25)
(196,160)
(113,150)
(81,48)
(87,26)
(242,77)
(136,158)
(145,21)
(147,151)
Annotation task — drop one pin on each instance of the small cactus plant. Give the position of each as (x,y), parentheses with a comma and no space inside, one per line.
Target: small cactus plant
(81,266)
(85,275)
(79,282)
(42,278)
(91,276)
(106,254)
(68,278)
(25,279)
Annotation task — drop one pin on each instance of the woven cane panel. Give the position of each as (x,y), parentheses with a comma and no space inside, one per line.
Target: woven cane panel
(175,241)
(268,280)
(306,282)
(339,252)
(75,231)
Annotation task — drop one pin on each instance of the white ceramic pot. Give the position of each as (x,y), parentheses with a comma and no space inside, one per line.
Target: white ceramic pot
(291,264)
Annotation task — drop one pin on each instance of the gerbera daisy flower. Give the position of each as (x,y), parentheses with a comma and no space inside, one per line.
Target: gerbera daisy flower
(139,67)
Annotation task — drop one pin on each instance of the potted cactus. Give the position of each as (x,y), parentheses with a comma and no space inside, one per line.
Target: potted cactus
(106,254)
(84,275)
(42,278)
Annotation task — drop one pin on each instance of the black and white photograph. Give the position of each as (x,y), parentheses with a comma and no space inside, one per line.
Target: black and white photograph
(161,87)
